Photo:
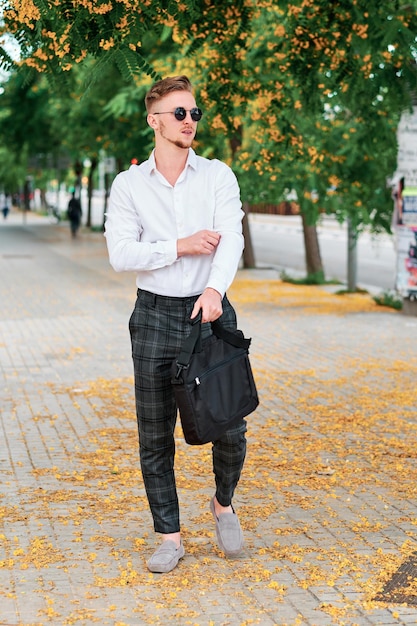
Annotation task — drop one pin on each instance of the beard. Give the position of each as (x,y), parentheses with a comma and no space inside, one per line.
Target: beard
(180,143)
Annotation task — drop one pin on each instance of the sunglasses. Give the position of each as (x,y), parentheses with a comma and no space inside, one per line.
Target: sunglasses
(181,113)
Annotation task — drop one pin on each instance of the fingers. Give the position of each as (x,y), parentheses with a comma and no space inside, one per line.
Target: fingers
(195,311)
(212,237)
(202,242)
(210,303)
(209,241)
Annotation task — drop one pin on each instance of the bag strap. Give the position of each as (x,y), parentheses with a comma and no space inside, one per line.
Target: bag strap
(235,339)
(193,342)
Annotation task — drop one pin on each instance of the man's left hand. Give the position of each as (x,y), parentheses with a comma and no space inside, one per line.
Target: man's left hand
(210,303)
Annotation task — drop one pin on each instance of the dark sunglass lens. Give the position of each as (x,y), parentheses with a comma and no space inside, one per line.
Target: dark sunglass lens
(196,114)
(180,113)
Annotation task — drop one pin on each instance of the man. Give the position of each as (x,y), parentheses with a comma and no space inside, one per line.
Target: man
(175,220)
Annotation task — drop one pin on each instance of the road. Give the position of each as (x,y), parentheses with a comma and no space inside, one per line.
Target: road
(278,243)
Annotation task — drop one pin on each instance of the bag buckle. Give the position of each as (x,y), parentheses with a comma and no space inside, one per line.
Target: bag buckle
(180,368)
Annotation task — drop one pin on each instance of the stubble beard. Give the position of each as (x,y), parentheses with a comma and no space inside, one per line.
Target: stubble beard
(180,143)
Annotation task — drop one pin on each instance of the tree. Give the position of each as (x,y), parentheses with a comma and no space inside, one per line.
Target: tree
(331,80)
(31,139)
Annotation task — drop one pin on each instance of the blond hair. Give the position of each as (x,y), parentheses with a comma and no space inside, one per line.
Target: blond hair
(166,86)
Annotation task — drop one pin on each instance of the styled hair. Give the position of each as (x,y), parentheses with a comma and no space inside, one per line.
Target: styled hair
(166,86)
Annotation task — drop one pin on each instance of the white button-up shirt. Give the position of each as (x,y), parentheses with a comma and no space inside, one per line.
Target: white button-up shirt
(146,215)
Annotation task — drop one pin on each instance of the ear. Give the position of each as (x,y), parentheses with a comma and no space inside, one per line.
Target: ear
(152,121)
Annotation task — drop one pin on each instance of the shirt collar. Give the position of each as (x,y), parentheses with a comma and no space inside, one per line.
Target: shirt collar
(191,161)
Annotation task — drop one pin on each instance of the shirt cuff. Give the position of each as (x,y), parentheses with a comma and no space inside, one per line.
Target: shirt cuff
(218,286)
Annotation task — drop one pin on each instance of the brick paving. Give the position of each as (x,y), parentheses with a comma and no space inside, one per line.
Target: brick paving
(328,507)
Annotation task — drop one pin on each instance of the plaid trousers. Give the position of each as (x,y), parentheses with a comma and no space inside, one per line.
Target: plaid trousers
(158,327)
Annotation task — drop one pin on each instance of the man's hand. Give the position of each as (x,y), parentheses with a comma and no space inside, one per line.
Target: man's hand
(202,242)
(210,303)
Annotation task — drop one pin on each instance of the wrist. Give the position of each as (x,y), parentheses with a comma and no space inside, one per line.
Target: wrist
(214,292)
(180,249)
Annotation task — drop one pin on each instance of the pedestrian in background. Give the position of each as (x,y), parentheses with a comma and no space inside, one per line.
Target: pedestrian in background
(5,203)
(175,220)
(74,213)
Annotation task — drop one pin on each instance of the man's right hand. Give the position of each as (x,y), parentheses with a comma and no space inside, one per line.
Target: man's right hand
(202,242)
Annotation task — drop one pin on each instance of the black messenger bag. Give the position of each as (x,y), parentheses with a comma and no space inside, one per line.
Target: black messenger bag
(213,382)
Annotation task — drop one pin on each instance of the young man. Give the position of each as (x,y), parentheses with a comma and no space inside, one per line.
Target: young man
(175,220)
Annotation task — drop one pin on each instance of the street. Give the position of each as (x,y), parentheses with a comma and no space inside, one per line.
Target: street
(278,242)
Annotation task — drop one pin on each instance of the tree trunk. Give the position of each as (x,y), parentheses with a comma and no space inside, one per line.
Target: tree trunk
(235,143)
(106,196)
(44,204)
(314,263)
(93,167)
(248,254)
(352,257)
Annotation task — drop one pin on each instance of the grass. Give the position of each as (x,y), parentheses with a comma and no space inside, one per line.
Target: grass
(316,278)
(341,292)
(390,299)
(387,298)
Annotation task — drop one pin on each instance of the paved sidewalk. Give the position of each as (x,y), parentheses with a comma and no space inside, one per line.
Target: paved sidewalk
(328,496)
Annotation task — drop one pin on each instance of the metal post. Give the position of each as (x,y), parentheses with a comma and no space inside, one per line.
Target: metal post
(352,257)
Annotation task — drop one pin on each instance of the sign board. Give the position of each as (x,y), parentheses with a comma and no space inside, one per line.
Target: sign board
(405,206)
(407,148)
(406,271)
(409,206)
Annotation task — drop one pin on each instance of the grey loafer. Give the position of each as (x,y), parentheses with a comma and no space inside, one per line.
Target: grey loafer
(165,558)
(228,531)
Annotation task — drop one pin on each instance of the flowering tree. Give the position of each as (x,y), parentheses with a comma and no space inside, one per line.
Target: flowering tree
(333,79)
